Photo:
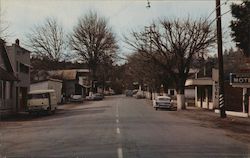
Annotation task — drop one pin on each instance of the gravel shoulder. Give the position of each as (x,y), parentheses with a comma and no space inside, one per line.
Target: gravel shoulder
(235,127)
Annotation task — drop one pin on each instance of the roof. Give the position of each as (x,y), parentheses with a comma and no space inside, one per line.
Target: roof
(163,97)
(5,56)
(45,80)
(7,76)
(63,74)
(42,91)
(66,74)
(18,46)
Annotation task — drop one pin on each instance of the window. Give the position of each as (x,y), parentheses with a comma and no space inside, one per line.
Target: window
(4,89)
(1,89)
(210,93)
(171,92)
(24,68)
(11,88)
(17,66)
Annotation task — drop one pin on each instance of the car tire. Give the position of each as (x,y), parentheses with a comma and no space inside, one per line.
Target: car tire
(156,109)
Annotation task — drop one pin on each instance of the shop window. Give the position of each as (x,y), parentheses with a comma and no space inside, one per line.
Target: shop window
(1,89)
(171,91)
(210,93)
(201,94)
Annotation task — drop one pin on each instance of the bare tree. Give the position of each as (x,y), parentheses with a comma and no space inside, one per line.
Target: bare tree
(47,40)
(93,41)
(4,25)
(173,45)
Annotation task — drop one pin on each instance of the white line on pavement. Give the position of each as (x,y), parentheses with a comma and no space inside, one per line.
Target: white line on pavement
(117,121)
(119,152)
(117,110)
(118,130)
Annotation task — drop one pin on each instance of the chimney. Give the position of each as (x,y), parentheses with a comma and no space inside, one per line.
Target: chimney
(17,41)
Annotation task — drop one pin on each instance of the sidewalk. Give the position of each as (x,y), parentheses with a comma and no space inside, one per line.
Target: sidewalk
(238,128)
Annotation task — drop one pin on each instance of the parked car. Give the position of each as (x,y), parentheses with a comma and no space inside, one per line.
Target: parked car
(163,102)
(129,93)
(140,95)
(96,96)
(76,98)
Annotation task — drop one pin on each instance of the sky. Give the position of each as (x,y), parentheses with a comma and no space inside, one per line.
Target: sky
(123,15)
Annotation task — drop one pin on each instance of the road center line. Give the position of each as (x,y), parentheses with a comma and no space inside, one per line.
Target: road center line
(117,110)
(118,130)
(119,152)
(117,121)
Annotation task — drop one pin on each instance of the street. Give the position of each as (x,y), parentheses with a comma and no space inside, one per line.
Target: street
(117,127)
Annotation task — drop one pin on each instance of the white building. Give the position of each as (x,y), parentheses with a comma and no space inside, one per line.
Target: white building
(206,90)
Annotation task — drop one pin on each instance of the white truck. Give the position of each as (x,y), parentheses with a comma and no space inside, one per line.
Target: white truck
(42,100)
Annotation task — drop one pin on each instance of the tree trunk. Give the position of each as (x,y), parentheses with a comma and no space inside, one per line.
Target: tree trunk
(181,96)
(93,86)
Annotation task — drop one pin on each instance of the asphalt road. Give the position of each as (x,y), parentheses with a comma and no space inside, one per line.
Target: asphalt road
(117,127)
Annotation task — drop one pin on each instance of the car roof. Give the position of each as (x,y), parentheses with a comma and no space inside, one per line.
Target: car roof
(163,97)
(42,91)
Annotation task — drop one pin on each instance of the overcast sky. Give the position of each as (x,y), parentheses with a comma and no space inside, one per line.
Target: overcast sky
(123,15)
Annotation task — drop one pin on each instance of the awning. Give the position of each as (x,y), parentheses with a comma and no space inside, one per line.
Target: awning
(6,76)
(199,82)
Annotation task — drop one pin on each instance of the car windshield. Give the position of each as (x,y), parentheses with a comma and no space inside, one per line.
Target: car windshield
(38,96)
(163,99)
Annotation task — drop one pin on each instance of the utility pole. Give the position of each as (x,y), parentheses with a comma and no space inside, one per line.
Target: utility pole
(220,60)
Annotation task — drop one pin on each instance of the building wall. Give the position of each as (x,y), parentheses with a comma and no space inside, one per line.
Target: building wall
(189,93)
(20,61)
(18,57)
(6,97)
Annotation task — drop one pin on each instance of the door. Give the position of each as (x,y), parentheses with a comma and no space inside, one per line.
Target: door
(1,94)
(23,98)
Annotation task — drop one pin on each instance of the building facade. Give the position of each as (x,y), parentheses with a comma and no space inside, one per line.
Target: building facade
(206,90)
(20,61)
(7,82)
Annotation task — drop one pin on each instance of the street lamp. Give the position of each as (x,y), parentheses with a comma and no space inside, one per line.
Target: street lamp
(220,61)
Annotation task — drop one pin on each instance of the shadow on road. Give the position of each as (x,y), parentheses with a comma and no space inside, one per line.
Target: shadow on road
(60,113)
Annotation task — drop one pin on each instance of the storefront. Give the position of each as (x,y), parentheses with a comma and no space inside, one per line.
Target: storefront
(206,90)
(242,80)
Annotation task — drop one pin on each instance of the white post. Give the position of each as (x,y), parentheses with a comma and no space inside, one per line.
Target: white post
(196,96)
(180,101)
(206,100)
(243,100)
(249,106)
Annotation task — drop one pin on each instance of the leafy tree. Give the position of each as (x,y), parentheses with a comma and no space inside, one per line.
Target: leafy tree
(47,40)
(93,41)
(241,26)
(173,45)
